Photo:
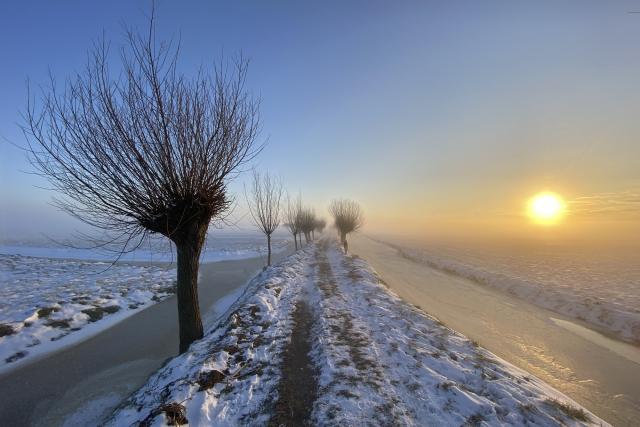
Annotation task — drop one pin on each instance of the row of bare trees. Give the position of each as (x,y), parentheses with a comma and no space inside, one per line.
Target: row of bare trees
(302,221)
(147,150)
(269,210)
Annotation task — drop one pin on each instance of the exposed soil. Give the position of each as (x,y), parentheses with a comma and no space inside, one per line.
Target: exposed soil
(60,323)
(210,378)
(97,313)
(6,330)
(174,413)
(17,356)
(298,387)
(46,311)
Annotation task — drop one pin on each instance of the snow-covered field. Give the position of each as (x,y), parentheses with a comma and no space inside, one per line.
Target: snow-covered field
(379,360)
(580,291)
(46,304)
(53,296)
(217,248)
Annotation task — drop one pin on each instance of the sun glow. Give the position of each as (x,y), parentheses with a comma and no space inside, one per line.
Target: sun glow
(546,208)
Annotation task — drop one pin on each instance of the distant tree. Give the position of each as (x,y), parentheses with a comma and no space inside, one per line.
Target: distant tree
(348,217)
(307,221)
(147,150)
(319,226)
(264,203)
(292,217)
(299,220)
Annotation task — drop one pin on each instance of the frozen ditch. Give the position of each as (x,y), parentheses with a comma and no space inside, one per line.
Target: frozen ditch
(47,304)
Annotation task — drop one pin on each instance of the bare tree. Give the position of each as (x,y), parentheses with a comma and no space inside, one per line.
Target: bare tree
(319,226)
(348,217)
(292,216)
(299,221)
(147,150)
(264,205)
(307,220)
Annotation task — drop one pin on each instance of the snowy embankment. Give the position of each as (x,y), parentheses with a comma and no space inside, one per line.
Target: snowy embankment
(227,378)
(603,315)
(373,360)
(46,304)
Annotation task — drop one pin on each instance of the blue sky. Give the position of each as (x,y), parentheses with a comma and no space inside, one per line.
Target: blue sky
(426,112)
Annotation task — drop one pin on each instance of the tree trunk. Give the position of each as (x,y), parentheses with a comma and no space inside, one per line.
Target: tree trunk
(189,320)
(269,249)
(344,242)
(295,239)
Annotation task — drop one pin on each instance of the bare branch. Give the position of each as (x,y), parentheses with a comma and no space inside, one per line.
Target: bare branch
(265,205)
(348,217)
(147,151)
(291,216)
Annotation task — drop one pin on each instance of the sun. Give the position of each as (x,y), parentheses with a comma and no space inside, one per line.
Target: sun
(546,208)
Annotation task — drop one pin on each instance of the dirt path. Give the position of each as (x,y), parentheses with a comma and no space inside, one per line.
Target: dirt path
(298,387)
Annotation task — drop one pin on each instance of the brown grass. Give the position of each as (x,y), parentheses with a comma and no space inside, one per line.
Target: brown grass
(96,313)
(175,413)
(208,379)
(569,410)
(46,311)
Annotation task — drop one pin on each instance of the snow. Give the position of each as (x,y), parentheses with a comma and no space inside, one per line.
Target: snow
(404,367)
(52,297)
(244,348)
(49,304)
(217,248)
(92,411)
(583,301)
(380,360)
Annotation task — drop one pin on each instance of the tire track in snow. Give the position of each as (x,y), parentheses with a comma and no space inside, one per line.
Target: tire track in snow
(353,377)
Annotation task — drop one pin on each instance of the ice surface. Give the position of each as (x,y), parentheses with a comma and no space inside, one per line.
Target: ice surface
(596,287)
(51,303)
